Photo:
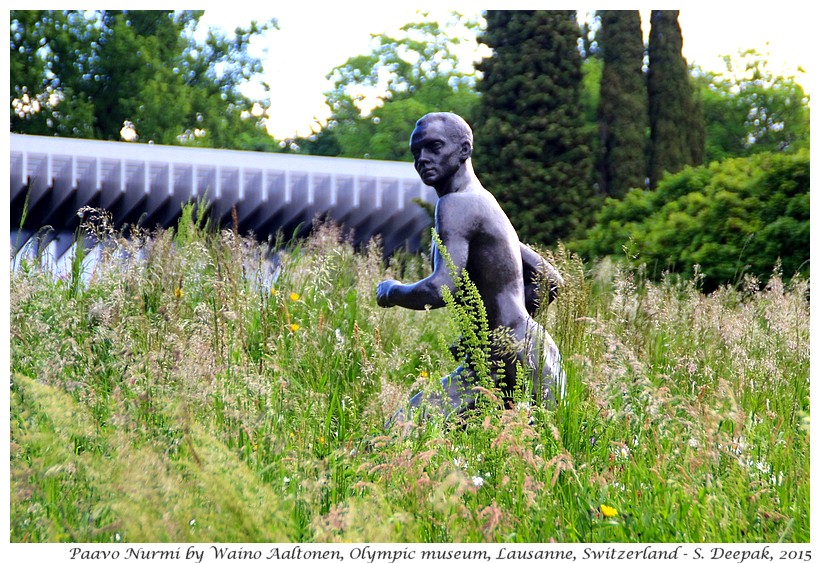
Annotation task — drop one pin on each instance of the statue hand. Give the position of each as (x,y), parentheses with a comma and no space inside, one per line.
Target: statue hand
(382,291)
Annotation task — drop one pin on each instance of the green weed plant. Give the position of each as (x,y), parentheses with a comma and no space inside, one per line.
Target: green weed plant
(194,385)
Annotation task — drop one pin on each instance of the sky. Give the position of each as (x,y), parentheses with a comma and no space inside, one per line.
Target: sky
(314,38)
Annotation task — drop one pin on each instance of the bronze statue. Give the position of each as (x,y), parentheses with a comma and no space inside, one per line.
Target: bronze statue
(479,238)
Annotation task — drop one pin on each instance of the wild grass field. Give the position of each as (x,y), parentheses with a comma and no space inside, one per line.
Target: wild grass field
(186,390)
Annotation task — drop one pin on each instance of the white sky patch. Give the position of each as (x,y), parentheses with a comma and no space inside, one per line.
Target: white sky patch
(725,29)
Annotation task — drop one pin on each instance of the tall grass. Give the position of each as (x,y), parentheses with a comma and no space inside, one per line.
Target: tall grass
(192,389)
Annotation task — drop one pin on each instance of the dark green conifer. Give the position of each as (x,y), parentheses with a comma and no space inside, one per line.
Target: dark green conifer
(677,130)
(623,118)
(531,149)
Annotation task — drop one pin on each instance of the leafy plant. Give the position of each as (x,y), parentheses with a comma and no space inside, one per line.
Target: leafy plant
(470,317)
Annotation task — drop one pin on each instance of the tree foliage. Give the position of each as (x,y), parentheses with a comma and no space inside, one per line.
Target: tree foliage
(623,116)
(749,109)
(592,69)
(531,148)
(133,75)
(739,216)
(677,136)
(411,74)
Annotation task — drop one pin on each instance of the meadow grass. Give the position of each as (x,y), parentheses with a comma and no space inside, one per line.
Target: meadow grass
(190,389)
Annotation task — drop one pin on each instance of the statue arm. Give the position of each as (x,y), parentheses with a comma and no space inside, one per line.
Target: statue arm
(427,292)
(535,267)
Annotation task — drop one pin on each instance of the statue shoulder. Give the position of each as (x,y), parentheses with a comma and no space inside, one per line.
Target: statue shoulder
(459,213)
(456,202)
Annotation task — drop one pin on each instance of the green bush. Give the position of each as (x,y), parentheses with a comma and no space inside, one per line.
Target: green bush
(731,218)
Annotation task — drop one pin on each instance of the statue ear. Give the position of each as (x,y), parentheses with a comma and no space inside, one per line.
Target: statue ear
(466,149)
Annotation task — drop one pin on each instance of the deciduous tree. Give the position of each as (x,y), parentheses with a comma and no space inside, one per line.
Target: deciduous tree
(407,75)
(134,75)
(749,109)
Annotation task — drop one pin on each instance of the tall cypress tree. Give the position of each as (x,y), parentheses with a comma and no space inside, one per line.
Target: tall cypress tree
(677,130)
(623,118)
(531,149)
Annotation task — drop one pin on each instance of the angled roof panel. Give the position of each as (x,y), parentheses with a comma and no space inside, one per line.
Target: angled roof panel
(52,178)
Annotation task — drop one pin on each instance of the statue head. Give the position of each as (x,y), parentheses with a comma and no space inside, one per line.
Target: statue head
(441,144)
(458,129)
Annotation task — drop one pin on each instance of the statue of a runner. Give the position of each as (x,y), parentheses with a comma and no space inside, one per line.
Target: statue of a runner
(479,238)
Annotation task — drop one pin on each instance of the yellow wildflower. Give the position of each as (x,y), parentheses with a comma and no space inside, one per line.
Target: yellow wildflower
(321,440)
(424,373)
(294,297)
(178,292)
(608,511)
(294,327)
(273,291)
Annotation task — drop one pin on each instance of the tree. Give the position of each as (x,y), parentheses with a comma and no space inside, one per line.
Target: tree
(749,110)
(677,134)
(622,111)
(137,75)
(531,148)
(592,66)
(410,75)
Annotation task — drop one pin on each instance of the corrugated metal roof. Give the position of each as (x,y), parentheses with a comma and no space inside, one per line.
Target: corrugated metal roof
(52,178)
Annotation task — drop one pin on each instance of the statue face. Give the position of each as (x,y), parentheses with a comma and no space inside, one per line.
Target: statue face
(436,155)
